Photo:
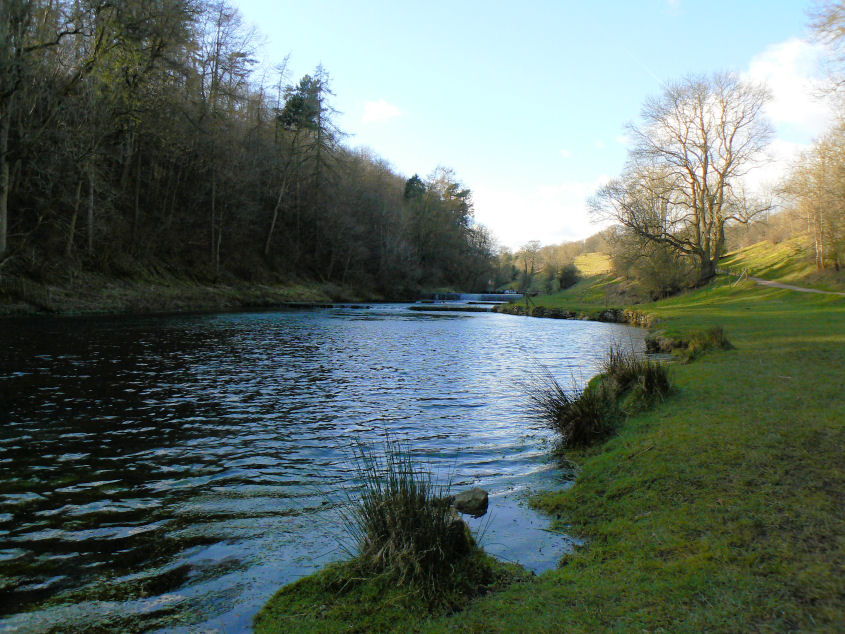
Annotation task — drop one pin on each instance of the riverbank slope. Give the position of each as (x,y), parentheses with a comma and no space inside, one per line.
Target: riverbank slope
(720,509)
(87,293)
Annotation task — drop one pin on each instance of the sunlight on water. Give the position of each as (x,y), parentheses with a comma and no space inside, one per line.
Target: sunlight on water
(171,472)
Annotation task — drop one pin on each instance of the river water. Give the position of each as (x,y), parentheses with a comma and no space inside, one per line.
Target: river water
(172,472)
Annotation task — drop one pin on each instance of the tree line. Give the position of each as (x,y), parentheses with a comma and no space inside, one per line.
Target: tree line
(138,136)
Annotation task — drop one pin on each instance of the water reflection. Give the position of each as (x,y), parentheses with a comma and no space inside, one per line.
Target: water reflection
(167,472)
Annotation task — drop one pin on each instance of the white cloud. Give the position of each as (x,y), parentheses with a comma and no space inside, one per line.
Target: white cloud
(599,145)
(780,156)
(791,71)
(565,153)
(623,140)
(548,213)
(379,111)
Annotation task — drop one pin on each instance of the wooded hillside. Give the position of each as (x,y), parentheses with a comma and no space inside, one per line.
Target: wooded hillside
(136,136)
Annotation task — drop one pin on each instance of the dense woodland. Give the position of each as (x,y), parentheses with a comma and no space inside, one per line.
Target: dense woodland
(136,137)
(141,138)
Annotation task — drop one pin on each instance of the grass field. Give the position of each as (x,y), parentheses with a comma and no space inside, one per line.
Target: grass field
(791,262)
(721,509)
(589,264)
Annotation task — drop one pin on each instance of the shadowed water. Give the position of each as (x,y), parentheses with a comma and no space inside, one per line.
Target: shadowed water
(173,472)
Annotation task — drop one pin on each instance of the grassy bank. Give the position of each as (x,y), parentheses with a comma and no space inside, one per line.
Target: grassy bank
(790,262)
(720,509)
(86,293)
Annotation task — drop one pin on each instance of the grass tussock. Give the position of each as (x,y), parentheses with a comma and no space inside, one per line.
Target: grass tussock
(628,383)
(412,556)
(645,380)
(580,416)
(403,526)
(700,341)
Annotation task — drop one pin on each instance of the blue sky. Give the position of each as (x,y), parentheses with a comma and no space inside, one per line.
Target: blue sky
(527,101)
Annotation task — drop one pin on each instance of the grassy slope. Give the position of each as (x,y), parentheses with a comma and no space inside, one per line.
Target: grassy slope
(589,264)
(791,261)
(722,508)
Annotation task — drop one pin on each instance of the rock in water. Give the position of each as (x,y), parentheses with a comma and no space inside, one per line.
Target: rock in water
(472,502)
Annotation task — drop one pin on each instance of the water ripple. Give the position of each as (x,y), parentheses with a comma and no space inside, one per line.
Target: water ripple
(175,471)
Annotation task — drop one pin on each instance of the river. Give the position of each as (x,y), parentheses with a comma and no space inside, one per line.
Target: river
(172,472)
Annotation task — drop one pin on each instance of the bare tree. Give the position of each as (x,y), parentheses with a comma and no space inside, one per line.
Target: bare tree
(682,183)
(827,21)
(816,188)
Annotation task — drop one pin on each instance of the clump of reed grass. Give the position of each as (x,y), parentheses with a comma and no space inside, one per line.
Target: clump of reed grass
(626,371)
(403,525)
(628,383)
(580,416)
(701,341)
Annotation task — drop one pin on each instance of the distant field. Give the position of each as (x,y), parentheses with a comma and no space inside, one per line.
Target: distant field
(590,264)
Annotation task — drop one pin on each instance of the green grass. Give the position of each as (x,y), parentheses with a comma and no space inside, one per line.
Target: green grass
(790,262)
(721,509)
(589,296)
(340,598)
(590,264)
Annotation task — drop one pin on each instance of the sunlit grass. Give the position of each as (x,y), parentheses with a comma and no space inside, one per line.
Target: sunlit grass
(590,264)
(791,262)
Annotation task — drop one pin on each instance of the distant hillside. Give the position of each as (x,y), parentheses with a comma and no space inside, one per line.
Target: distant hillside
(595,263)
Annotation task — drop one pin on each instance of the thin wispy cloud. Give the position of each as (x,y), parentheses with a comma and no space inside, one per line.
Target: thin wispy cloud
(379,111)
(565,153)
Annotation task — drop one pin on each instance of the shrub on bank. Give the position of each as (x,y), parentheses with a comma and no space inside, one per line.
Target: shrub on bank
(580,416)
(644,379)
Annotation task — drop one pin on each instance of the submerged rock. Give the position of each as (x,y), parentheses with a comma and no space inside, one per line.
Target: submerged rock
(472,502)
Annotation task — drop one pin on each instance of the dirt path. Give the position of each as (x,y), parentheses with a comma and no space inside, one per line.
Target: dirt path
(790,287)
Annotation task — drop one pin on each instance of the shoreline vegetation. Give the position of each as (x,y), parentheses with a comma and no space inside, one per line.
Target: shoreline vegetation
(716,509)
(100,295)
